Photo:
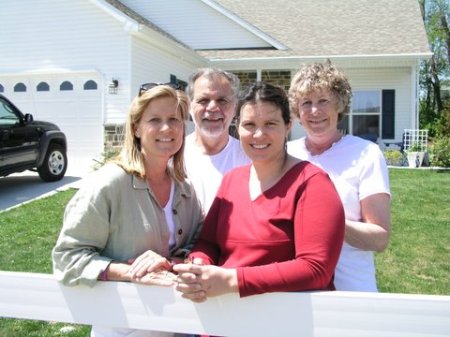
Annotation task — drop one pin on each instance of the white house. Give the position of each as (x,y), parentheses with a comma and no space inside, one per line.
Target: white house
(79,63)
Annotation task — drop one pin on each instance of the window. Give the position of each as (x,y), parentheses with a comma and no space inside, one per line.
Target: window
(20,87)
(365,115)
(7,116)
(66,86)
(372,115)
(2,88)
(90,85)
(43,86)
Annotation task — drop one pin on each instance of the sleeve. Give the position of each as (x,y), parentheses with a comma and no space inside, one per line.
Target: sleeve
(76,255)
(374,175)
(318,219)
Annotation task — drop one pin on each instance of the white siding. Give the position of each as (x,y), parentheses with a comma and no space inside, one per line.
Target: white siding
(69,36)
(45,34)
(196,24)
(64,35)
(398,79)
(149,64)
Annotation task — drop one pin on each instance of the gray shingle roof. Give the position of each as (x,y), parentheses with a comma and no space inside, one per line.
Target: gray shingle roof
(322,28)
(332,27)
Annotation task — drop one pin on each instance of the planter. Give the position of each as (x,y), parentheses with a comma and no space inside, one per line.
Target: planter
(415,159)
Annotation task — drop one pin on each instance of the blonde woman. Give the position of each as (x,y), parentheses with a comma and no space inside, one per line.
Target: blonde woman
(138,212)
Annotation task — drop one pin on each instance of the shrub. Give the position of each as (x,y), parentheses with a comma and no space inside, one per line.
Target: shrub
(415,147)
(393,157)
(106,156)
(440,151)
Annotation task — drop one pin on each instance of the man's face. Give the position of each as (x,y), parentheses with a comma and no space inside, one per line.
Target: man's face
(213,106)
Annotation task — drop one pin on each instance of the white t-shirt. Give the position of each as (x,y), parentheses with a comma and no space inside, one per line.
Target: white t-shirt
(206,172)
(358,169)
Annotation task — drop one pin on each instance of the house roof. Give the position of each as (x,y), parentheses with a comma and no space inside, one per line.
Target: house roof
(347,29)
(324,28)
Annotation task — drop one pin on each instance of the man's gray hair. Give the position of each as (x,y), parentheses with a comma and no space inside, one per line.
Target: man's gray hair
(211,73)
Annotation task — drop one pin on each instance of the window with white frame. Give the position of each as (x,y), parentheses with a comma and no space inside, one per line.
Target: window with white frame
(372,115)
(365,115)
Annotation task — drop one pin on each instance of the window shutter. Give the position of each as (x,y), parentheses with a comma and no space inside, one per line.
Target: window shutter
(388,114)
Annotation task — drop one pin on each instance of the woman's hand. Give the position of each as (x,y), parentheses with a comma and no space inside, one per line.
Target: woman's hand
(148,262)
(163,278)
(197,282)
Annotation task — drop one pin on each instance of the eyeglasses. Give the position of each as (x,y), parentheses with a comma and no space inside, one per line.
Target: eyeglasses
(147,86)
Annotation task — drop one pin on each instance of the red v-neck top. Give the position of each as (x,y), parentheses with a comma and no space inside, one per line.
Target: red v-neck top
(288,239)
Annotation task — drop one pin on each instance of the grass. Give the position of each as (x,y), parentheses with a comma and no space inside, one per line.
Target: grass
(417,260)
(28,235)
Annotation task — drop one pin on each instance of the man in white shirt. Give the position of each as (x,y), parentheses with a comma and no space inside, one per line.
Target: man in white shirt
(210,151)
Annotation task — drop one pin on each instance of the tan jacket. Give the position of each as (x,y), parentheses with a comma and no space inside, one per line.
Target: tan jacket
(115,216)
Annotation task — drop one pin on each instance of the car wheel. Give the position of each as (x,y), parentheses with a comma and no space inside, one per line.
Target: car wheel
(55,163)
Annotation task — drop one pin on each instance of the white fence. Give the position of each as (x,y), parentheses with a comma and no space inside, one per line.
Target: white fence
(318,314)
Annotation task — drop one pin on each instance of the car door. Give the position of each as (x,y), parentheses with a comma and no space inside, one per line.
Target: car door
(18,139)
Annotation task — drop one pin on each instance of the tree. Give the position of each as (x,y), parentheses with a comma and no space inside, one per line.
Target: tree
(434,72)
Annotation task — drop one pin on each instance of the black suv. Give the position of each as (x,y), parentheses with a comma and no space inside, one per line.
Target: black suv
(26,144)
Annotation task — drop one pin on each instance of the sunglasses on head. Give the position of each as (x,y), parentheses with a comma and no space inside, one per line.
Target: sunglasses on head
(147,86)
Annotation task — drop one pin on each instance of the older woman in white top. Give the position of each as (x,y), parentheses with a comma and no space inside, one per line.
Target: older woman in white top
(319,97)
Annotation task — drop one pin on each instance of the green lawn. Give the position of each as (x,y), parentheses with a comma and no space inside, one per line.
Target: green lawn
(417,260)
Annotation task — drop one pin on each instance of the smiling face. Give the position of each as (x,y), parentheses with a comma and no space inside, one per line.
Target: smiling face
(213,106)
(160,129)
(263,131)
(318,113)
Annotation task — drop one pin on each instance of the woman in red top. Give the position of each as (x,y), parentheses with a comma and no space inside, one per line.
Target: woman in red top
(276,224)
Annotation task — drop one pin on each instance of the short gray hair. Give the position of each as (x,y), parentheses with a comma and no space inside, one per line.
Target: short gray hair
(211,73)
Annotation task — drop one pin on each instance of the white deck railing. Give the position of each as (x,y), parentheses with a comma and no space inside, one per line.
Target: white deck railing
(120,304)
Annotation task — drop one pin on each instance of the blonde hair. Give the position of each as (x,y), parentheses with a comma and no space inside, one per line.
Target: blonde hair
(319,76)
(130,157)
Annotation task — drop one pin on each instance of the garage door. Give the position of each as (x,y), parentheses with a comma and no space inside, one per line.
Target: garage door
(73,101)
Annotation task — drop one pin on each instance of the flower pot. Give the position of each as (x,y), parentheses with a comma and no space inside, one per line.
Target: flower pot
(415,159)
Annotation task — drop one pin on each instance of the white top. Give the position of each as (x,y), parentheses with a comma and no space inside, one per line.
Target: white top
(206,172)
(168,211)
(358,169)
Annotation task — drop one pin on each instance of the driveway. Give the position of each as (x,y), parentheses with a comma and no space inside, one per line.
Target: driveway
(23,187)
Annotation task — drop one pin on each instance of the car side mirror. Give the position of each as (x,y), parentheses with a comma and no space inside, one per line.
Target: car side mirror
(28,118)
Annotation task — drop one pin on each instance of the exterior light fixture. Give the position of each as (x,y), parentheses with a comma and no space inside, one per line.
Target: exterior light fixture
(113,87)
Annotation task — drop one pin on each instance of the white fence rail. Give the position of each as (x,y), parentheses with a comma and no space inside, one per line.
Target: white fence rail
(312,314)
